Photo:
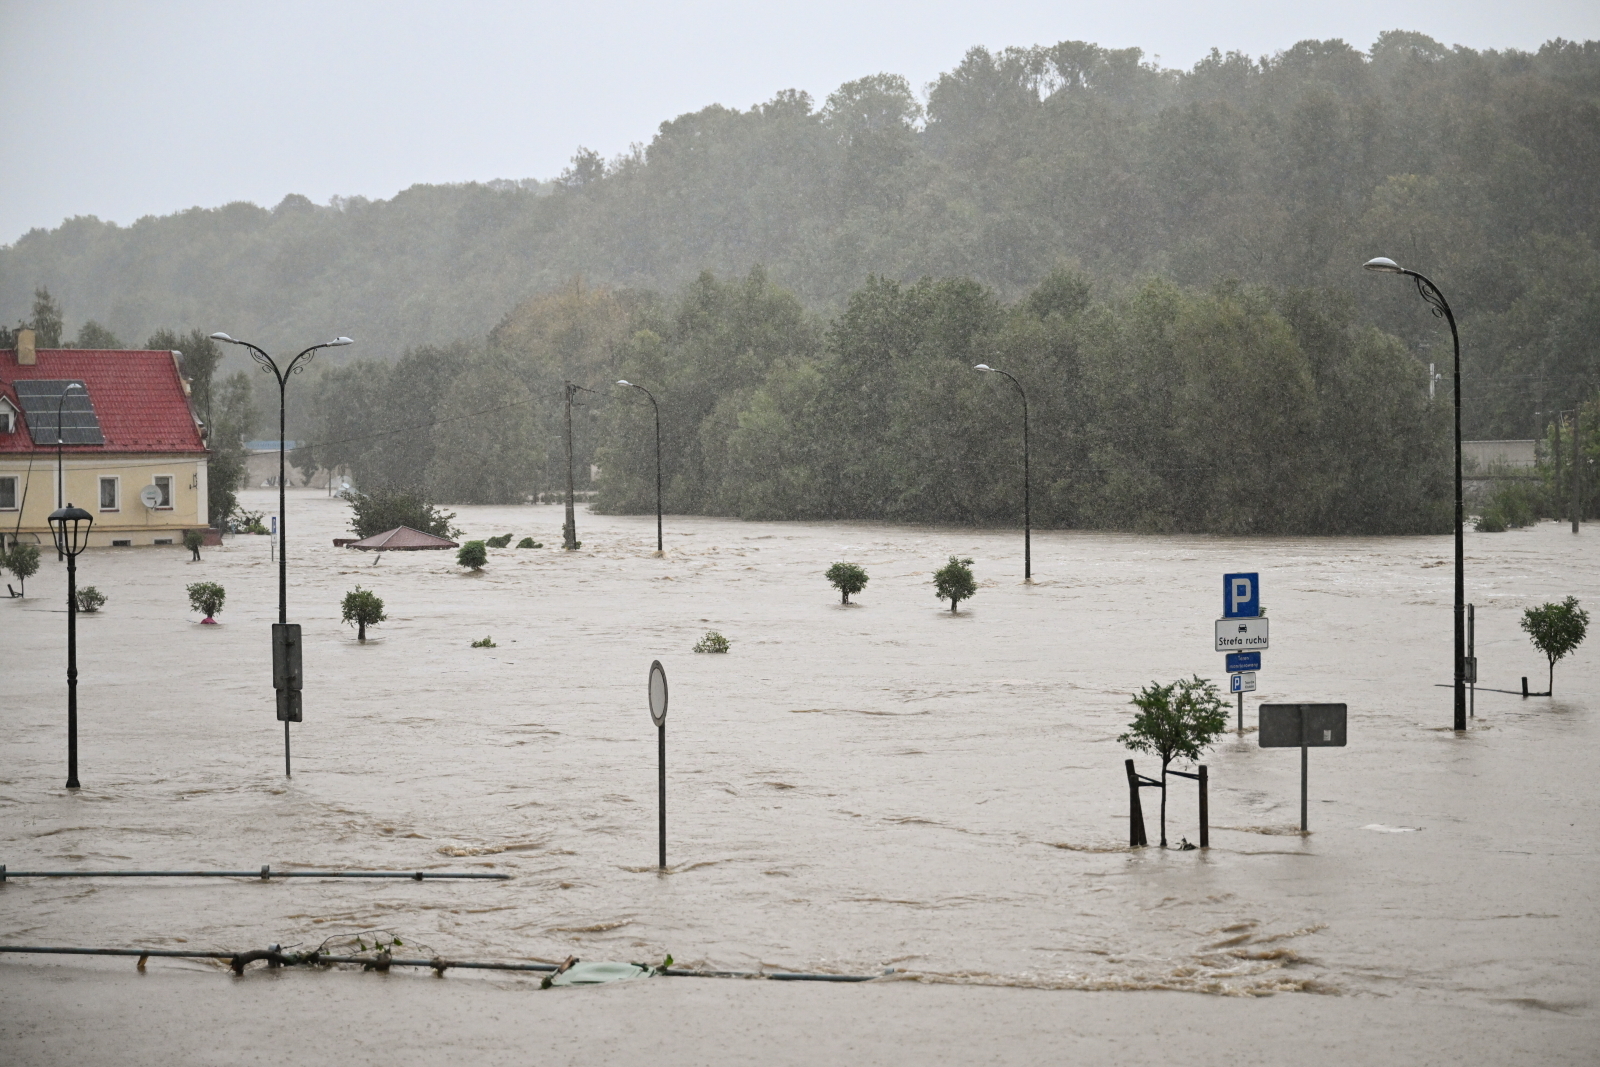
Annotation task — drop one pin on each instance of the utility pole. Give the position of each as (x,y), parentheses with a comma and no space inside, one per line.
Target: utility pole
(1577,467)
(569,532)
(1557,452)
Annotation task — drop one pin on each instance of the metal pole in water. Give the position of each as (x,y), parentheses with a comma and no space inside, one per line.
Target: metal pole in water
(661,767)
(1241,713)
(1303,827)
(1205,810)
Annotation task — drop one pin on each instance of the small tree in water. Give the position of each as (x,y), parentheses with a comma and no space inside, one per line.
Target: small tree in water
(1176,720)
(847,578)
(192,540)
(954,582)
(23,561)
(472,554)
(364,608)
(1556,629)
(207,598)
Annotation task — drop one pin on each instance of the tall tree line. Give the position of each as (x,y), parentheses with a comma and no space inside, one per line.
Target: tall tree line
(1233,409)
(1480,168)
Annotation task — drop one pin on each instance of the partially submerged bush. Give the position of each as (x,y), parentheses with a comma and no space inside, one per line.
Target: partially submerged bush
(90,600)
(712,642)
(528,542)
(847,578)
(192,540)
(472,554)
(487,642)
(499,542)
(1512,505)
(364,608)
(207,598)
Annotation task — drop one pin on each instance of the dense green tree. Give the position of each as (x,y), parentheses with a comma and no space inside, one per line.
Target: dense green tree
(22,560)
(954,582)
(848,578)
(362,607)
(384,509)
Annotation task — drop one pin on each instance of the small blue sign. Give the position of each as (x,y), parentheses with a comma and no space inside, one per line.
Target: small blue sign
(1243,661)
(1241,596)
(274,526)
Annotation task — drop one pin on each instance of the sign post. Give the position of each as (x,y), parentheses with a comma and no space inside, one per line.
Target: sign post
(1241,599)
(1306,726)
(658,715)
(287,678)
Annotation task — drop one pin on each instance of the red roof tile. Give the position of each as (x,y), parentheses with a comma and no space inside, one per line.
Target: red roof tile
(138,396)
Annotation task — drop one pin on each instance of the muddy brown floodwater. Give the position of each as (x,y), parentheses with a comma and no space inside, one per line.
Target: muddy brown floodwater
(851,789)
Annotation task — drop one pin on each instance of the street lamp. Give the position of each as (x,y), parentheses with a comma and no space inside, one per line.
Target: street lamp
(61,489)
(70,526)
(657,408)
(1027,511)
(1441,309)
(296,365)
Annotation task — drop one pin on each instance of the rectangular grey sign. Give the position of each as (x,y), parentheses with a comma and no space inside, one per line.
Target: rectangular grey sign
(1291,725)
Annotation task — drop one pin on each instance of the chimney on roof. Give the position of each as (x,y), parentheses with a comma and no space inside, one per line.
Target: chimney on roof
(27,355)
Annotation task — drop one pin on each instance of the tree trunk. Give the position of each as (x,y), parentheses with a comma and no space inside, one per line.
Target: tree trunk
(1163,805)
(1550,684)
(953,603)
(844,598)
(361,629)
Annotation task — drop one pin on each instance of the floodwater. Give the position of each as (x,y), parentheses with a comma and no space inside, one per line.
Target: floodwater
(850,789)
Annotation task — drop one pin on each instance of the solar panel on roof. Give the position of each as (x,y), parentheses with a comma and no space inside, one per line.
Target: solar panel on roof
(79,423)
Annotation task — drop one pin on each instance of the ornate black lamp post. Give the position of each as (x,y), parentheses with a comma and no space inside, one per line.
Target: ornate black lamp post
(657,408)
(61,485)
(1027,510)
(295,366)
(1441,309)
(70,526)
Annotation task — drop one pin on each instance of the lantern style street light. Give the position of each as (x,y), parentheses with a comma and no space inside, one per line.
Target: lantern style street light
(70,526)
(297,365)
(1441,309)
(1027,510)
(61,486)
(657,408)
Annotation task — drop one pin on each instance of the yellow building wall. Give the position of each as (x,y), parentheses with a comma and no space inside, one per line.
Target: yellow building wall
(131,521)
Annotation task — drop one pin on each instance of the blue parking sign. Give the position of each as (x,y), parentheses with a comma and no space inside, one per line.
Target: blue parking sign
(1241,596)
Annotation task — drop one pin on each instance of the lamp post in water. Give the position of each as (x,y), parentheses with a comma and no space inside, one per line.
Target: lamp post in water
(61,485)
(70,527)
(657,409)
(1441,309)
(296,365)
(1027,511)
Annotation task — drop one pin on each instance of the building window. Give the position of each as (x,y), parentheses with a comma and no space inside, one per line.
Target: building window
(110,494)
(8,494)
(164,488)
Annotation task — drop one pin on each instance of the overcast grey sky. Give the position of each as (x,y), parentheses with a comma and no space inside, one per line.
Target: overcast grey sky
(122,109)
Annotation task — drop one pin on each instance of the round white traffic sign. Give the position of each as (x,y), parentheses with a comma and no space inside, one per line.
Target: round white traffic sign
(658,693)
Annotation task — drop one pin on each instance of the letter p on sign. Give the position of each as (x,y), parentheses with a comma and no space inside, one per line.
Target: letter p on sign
(1241,596)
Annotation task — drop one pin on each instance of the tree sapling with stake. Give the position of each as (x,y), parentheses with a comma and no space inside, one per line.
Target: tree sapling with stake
(847,578)
(1556,629)
(23,561)
(1176,720)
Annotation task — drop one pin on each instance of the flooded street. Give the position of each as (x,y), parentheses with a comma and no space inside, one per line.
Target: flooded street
(850,789)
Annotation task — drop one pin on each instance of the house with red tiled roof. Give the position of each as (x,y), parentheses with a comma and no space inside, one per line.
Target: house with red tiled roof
(132,452)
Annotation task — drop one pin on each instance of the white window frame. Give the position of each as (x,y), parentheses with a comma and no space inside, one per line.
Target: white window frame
(116,493)
(172,490)
(16,492)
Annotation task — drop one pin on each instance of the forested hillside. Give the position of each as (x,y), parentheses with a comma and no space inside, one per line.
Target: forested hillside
(1479,168)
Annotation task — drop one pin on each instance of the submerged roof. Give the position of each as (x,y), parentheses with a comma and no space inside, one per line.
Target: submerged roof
(402,539)
(136,401)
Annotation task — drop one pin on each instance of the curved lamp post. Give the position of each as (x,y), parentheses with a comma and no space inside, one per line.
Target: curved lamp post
(1027,509)
(295,366)
(1441,309)
(70,526)
(657,408)
(61,488)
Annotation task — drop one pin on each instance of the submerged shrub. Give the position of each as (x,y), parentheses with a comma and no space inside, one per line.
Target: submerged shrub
(712,642)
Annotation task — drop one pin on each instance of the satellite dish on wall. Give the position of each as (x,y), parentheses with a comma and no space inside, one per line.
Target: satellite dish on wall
(150,496)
